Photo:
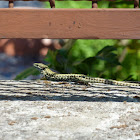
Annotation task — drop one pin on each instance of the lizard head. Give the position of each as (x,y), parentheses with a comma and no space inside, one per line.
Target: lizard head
(40,66)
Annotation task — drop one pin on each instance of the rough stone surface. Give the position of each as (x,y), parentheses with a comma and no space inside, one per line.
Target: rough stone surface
(31,110)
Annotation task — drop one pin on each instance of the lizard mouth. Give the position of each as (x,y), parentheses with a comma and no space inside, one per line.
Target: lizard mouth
(36,65)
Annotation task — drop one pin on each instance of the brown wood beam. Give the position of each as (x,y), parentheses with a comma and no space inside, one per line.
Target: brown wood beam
(70,23)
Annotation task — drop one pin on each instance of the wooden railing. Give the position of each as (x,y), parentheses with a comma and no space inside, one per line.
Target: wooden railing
(94,23)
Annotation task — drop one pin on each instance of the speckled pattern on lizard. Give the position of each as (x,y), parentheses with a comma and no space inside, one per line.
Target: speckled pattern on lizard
(79,78)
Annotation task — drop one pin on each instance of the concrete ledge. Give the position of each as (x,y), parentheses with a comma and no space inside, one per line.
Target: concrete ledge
(55,110)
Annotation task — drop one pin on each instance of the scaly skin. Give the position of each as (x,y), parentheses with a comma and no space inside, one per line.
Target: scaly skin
(53,76)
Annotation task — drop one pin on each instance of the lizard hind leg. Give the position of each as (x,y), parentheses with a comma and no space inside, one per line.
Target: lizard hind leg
(82,80)
(83,83)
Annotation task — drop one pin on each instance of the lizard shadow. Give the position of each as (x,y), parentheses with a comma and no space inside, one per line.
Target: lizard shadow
(71,92)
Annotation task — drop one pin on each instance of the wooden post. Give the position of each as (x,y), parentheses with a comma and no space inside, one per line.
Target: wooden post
(11,4)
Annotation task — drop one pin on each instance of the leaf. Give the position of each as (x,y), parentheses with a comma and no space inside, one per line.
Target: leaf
(129,78)
(107,54)
(106,50)
(26,73)
(85,66)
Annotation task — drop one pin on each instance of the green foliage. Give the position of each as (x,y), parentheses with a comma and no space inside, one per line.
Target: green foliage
(109,62)
(71,4)
(119,61)
(87,48)
(26,73)
(87,4)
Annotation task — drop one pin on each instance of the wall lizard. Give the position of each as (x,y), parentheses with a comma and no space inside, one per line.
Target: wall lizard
(53,76)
